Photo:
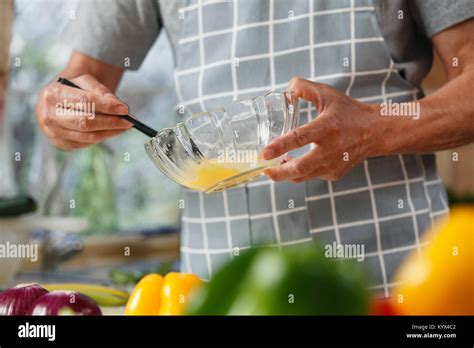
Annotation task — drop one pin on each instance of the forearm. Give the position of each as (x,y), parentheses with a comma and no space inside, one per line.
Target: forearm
(446,120)
(447,116)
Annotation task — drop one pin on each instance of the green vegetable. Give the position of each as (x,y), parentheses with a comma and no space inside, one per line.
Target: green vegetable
(302,281)
(121,277)
(454,198)
(14,206)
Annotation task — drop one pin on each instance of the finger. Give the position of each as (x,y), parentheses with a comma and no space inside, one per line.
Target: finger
(81,137)
(77,99)
(327,172)
(287,158)
(66,118)
(64,144)
(312,175)
(67,145)
(296,168)
(299,137)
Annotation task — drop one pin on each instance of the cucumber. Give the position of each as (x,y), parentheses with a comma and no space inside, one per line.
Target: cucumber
(15,206)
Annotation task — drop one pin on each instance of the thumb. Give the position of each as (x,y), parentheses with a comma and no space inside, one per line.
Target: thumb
(314,92)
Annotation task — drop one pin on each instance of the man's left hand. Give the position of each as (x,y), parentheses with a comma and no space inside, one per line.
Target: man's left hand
(344,133)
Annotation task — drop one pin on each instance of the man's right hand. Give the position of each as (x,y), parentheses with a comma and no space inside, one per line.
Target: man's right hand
(71,129)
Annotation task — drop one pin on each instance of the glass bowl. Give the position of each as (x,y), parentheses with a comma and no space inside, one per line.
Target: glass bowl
(217,150)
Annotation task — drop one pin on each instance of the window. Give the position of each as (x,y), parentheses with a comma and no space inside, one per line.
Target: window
(135,195)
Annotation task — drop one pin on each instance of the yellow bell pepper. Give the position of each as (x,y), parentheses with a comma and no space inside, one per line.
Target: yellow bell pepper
(146,296)
(157,295)
(175,290)
(441,281)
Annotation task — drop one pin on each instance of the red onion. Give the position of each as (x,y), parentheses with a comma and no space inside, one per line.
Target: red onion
(17,300)
(56,302)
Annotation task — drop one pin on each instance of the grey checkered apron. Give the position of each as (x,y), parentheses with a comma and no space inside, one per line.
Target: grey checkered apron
(236,49)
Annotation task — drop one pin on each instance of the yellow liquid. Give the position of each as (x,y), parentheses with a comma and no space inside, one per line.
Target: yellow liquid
(210,172)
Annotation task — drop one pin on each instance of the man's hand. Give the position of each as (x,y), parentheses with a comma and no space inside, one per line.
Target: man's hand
(345,133)
(75,128)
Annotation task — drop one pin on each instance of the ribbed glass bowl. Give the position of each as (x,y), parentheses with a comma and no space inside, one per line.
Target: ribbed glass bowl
(213,151)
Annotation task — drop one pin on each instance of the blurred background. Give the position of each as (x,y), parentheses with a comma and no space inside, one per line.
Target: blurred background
(98,185)
(102,225)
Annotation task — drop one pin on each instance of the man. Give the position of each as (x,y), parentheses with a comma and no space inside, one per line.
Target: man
(363,171)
